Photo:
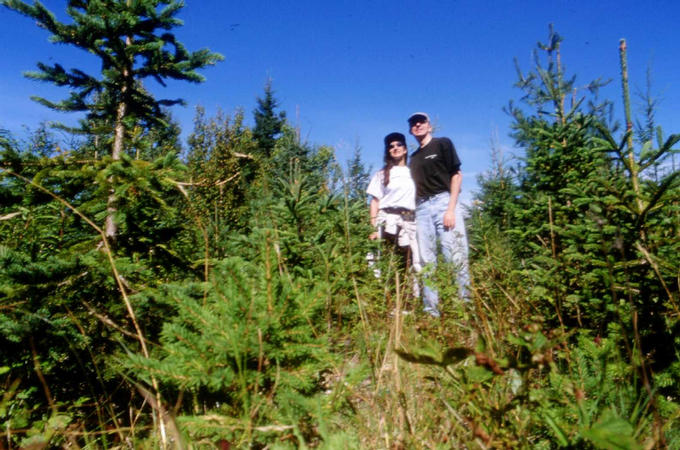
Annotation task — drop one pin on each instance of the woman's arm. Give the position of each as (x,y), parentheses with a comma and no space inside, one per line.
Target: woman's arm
(373,209)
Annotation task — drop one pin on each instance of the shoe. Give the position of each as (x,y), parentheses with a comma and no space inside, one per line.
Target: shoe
(404,312)
(433,313)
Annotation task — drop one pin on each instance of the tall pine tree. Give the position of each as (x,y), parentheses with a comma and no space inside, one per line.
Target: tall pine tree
(133,42)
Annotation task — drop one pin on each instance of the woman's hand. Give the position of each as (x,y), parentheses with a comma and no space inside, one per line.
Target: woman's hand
(373,236)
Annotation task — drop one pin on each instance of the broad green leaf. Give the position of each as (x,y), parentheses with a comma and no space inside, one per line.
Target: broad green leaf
(612,433)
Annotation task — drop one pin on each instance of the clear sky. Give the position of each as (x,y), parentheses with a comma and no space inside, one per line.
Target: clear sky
(348,73)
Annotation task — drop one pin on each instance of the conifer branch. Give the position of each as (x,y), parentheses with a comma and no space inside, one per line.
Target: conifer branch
(116,275)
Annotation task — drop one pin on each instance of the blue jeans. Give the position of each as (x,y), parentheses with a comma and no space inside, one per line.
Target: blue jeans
(453,243)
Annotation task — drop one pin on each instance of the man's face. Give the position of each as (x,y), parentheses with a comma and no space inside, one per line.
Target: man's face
(397,150)
(420,127)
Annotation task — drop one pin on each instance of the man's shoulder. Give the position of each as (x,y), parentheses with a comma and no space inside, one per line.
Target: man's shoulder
(442,141)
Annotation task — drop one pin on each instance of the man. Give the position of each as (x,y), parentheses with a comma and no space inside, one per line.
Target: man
(435,169)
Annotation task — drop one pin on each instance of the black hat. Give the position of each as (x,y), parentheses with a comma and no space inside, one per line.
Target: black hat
(418,117)
(394,137)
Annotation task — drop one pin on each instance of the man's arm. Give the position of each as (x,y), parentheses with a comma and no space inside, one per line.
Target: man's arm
(450,214)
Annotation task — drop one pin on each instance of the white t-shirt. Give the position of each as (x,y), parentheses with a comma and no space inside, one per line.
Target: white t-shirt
(400,192)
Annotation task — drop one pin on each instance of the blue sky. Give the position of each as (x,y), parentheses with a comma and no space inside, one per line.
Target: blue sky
(347,73)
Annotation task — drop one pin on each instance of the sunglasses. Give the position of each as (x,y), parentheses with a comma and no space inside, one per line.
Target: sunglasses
(395,145)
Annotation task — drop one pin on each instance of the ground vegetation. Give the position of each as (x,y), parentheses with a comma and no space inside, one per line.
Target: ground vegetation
(237,309)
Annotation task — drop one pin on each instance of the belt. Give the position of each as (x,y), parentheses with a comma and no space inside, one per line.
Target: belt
(407,214)
(396,210)
(420,200)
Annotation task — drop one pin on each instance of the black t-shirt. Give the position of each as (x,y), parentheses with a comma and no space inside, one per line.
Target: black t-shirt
(433,166)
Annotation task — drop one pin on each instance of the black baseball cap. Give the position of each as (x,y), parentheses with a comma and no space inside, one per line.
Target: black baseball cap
(394,137)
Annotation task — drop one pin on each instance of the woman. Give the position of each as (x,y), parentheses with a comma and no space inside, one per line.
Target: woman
(393,200)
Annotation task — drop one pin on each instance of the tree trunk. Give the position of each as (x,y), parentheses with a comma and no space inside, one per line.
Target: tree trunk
(111,228)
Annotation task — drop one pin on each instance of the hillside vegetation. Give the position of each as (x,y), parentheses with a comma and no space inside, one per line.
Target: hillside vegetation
(217,295)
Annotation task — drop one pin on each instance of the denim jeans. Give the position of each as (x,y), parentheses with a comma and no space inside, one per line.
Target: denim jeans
(453,242)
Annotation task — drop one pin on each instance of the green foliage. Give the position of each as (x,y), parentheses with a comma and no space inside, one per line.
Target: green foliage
(358,176)
(246,346)
(237,308)
(498,194)
(291,156)
(317,233)
(133,43)
(252,344)
(268,123)
(127,38)
(595,403)
(62,316)
(539,393)
(222,166)
(594,256)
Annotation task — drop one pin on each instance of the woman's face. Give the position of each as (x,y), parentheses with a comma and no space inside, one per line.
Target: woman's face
(397,150)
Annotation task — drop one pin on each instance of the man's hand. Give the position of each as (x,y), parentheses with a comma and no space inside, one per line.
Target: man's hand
(449,219)
(373,236)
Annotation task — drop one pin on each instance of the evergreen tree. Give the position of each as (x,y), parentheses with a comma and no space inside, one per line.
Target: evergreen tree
(221,167)
(496,203)
(357,176)
(132,40)
(268,123)
(597,225)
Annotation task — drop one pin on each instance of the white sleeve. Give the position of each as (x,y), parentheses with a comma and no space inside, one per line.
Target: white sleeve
(375,187)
